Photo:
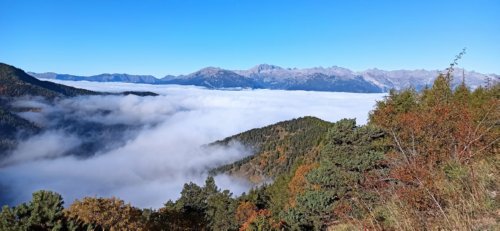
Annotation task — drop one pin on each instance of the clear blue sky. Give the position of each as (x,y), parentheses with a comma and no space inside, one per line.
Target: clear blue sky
(177,37)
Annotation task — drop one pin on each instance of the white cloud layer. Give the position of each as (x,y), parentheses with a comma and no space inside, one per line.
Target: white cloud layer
(163,148)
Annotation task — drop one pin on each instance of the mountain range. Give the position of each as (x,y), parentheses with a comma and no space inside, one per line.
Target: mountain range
(267,76)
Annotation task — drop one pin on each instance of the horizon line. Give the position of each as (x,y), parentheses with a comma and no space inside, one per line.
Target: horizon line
(235,70)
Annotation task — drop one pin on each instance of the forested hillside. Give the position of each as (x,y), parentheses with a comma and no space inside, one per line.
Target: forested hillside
(277,148)
(426,160)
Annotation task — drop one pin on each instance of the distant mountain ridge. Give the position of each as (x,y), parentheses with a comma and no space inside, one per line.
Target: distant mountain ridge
(213,77)
(267,76)
(99,78)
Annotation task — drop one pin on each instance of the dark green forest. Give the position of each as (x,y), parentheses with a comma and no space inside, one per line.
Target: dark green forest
(426,160)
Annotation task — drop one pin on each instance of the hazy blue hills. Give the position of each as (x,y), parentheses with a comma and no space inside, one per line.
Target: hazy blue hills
(267,76)
(100,78)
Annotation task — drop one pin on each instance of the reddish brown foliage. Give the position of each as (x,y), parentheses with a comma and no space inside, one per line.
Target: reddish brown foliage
(298,182)
(261,220)
(245,211)
(431,129)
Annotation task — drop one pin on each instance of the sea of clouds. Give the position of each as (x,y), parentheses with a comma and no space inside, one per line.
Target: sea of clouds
(156,144)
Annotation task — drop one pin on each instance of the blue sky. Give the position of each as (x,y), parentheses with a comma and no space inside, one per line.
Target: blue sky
(182,36)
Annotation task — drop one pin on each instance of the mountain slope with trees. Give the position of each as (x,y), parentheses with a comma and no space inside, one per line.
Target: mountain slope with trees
(277,148)
(15,82)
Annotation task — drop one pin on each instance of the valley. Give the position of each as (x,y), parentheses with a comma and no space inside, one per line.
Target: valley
(146,133)
(240,159)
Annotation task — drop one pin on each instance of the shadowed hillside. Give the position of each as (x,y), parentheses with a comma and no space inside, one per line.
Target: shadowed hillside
(15,82)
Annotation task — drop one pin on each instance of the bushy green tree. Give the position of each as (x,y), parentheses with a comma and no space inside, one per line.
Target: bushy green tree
(43,212)
(9,221)
(337,187)
(198,208)
(221,211)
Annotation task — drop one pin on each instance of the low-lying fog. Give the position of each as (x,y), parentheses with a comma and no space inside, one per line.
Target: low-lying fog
(158,146)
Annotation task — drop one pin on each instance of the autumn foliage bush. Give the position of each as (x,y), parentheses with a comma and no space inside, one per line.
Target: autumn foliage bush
(105,214)
(440,139)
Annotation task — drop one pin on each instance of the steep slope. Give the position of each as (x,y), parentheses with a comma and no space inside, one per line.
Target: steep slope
(15,82)
(277,148)
(214,78)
